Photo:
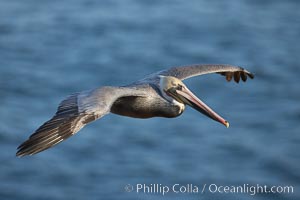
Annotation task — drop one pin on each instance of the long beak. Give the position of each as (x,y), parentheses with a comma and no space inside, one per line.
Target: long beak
(187,97)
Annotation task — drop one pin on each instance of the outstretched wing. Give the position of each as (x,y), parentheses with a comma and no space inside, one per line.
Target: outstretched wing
(72,114)
(185,72)
(70,117)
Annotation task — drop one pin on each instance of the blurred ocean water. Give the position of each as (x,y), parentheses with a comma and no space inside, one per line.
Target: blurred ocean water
(49,49)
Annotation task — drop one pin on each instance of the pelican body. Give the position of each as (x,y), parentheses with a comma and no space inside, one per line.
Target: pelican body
(161,94)
(146,106)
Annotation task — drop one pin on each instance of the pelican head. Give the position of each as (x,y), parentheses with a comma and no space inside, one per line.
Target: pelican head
(175,91)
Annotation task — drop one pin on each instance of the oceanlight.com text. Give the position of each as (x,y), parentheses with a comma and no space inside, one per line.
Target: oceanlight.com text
(250,189)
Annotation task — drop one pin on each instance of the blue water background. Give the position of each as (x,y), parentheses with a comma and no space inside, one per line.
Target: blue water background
(49,49)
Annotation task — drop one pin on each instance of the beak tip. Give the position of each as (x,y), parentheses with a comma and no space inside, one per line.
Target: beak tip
(226,124)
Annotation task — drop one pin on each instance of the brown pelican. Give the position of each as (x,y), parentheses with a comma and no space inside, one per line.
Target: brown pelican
(162,94)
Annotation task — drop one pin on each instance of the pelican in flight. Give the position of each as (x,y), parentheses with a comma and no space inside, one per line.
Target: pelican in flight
(161,94)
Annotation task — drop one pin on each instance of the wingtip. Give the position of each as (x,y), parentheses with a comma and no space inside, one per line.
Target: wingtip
(251,75)
(20,152)
(19,155)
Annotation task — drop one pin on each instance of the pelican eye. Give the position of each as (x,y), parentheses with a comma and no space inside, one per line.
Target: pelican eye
(179,87)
